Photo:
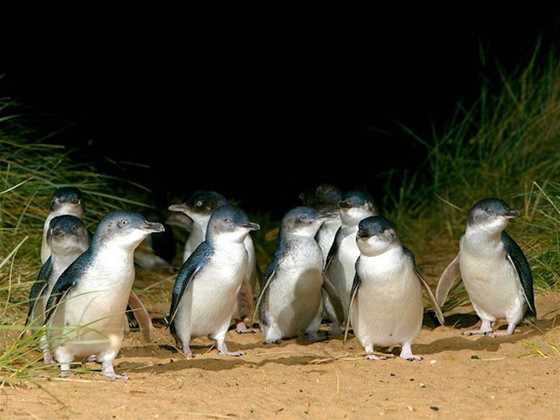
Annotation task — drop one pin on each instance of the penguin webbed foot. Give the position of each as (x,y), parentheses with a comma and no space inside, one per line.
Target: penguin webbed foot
(406,354)
(375,357)
(231,353)
(48,359)
(315,337)
(109,372)
(242,328)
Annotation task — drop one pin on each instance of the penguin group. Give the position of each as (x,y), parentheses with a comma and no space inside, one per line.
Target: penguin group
(337,260)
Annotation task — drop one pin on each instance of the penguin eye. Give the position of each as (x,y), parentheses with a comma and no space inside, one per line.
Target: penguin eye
(122,223)
(227,220)
(75,201)
(198,203)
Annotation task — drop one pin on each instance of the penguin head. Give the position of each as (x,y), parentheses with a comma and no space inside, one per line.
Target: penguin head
(69,199)
(302,221)
(124,229)
(324,196)
(376,235)
(491,215)
(230,224)
(355,206)
(200,205)
(67,235)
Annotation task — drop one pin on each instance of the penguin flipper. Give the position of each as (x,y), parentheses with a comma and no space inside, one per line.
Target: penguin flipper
(142,316)
(334,249)
(353,292)
(517,258)
(447,281)
(435,305)
(38,288)
(187,274)
(269,276)
(334,299)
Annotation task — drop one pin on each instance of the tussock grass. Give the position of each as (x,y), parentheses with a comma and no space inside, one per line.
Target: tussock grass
(506,146)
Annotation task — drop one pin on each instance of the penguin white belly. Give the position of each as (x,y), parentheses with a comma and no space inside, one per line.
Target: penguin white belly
(493,286)
(207,306)
(388,307)
(326,235)
(343,268)
(295,294)
(92,316)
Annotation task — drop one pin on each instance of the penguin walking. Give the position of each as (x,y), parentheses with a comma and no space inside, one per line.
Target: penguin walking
(494,269)
(68,201)
(199,208)
(341,259)
(85,311)
(67,239)
(290,301)
(205,291)
(386,306)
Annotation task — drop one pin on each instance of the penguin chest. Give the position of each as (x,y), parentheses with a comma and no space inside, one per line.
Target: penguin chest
(343,268)
(492,283)
(213,293)
(388,307)
(295,294)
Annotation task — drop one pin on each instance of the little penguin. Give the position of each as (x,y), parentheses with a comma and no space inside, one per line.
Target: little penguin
(66,200)
(494,269)
(341,259)
(199,208)
(386,306)
(205,291)
(85,311)
(67,238)
(290,301)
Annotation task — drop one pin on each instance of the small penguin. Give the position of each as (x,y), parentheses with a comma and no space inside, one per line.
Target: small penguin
(386,303)
(325,199)
(67,238)
(494,269)
(199,208)
(290,301)
(66,200)
(85,312)
(206,288)
(341,259)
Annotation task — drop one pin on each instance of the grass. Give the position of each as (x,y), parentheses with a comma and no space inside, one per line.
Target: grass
(506,146)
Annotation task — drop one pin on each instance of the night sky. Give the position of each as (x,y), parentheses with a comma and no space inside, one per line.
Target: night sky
(263,113)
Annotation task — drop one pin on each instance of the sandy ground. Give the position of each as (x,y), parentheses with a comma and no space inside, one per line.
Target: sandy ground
(515,377)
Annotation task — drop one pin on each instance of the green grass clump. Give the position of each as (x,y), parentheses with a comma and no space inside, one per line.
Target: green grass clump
(506,146)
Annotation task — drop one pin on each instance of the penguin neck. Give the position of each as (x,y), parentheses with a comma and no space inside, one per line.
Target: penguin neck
(113,254)
(481,241)
(386,259)
(222,243)
(199,228)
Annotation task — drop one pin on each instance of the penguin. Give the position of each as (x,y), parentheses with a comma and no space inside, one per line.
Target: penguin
(66,200)
(198,208)
(341,259)
(289,304)
(325,199)
(206,288)
(386,306)
(495,272)
(67,239)
(85,312)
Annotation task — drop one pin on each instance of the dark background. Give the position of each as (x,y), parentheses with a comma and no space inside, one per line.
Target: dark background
(263,112)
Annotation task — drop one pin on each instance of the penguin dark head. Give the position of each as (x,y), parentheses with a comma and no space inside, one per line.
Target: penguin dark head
(491,215)
(229,223)
(67,235)
(69,199)
(355,206)
(376,235)
(124,229)
(324,196)
(200,205)
(302,221)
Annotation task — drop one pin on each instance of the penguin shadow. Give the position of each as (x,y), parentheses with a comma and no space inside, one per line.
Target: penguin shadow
(460,322)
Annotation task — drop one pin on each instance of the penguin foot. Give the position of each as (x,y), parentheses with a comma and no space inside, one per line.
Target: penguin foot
(273,341)
(48,359)
(500,333)
(231,353)
(478,332)
(114,376)
(412,358)
(375,357)
(241,328)
(316,337)
(92,359)
(406,353)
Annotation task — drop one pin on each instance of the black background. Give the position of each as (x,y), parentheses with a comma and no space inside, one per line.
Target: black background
(263,109)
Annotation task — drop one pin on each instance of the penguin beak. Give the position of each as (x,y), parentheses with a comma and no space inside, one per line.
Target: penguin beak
(153,227)
(251,226)
(511,214)
(181,208)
